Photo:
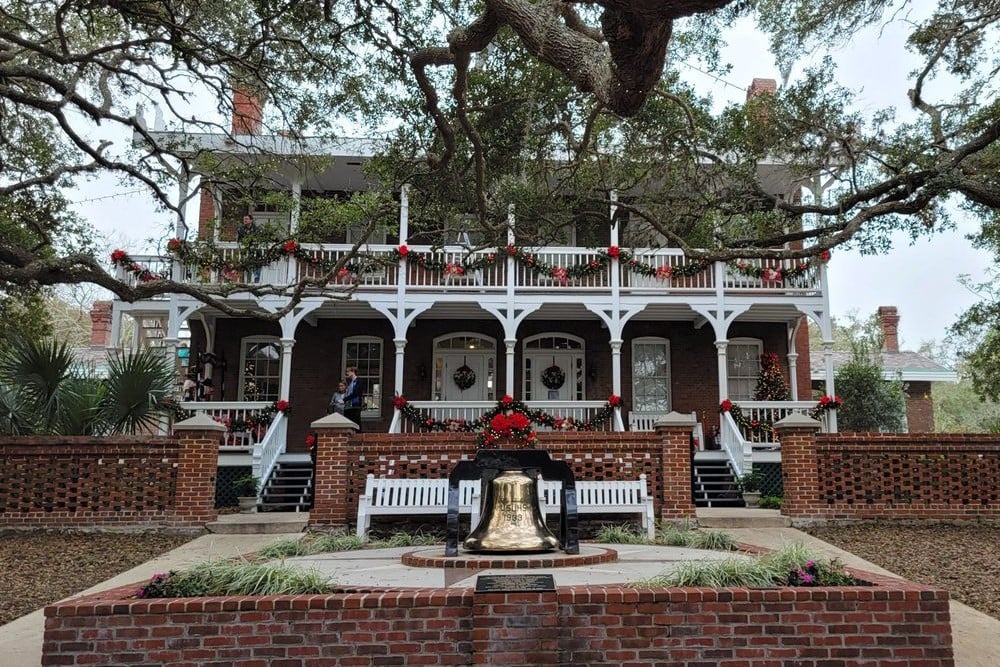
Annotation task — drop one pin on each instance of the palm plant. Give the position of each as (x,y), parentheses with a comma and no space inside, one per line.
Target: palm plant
(41,392)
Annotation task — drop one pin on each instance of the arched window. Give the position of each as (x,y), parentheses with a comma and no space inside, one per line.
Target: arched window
(743,367)
(651,375)
(365,353)
(549,356)
(260,368)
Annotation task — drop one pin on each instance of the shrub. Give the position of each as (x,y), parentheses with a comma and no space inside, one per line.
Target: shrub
(617,534)
(219,578)
(246,486)
(771,502)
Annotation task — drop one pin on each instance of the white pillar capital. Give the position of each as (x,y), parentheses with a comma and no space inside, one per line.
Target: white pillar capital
(400,344)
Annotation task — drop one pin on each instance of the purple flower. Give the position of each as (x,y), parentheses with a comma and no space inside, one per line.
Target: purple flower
(807,578)
(810,564)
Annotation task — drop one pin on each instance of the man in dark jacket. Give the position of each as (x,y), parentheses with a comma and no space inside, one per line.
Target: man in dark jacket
(354,397)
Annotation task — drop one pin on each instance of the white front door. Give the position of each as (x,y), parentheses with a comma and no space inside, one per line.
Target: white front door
(450,363)
(571,365)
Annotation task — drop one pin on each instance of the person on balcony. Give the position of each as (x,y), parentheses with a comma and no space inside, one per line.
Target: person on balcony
(353,396)
(207,390)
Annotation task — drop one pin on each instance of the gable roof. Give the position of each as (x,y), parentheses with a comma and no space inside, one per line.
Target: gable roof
(905,366)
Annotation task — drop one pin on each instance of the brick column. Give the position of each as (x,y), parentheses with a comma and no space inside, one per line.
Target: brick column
(197,466)
(675,432)
(330,476)
(799,470)
(515,629)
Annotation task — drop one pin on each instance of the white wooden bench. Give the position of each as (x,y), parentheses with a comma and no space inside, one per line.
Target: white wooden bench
(391,496)
(395,496)
(605,497)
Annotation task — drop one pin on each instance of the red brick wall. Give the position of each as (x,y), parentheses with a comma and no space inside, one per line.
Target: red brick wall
(861,476)
(919,408)
(81,481)
(593,456)
(892,622)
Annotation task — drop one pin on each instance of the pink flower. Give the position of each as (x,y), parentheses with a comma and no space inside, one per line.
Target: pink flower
(665,272)
(560,274)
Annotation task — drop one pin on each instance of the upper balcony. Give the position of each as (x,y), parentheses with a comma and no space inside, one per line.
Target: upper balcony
(581,270)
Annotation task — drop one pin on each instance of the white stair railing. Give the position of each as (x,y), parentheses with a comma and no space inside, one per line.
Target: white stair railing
(267,451)
(740,451)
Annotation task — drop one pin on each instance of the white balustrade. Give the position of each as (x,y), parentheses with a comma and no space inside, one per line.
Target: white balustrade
(737,280)
(267,451)
(529,278)
(659,259)
(230,413)
(472,412)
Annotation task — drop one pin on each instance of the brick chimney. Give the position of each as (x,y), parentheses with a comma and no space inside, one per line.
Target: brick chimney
(761,86)
(889,320)
(100,324)
(248,111)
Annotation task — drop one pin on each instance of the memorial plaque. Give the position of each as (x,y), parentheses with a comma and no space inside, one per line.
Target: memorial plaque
(515,583)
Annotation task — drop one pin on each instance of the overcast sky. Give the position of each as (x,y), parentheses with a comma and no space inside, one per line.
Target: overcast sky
(921,280)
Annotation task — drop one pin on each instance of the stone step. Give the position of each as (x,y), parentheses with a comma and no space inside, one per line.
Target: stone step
(257,523)
(735,517)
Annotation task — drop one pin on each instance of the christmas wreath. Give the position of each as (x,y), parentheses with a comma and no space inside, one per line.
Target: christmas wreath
(464,377)
(553,377)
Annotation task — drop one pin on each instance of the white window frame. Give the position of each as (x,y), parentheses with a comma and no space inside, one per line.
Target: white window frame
(375,411)
(742,342)
(652,340)
(254,340)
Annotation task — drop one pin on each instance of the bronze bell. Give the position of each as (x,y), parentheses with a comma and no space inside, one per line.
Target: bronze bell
(511,519)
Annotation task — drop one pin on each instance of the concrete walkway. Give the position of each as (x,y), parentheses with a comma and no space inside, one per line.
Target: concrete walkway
(976,635)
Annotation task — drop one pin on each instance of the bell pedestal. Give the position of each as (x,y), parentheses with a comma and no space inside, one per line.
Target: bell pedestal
(511,518)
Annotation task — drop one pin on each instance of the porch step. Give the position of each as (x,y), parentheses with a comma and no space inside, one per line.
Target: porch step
(714,485)
(737,517)
(289,488)
(259,524)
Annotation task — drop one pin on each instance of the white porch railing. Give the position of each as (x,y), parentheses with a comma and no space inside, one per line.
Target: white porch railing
(771,412)
(644,421)
(229,413)
(739,451)
(472,412)
(267,451)
(493,276)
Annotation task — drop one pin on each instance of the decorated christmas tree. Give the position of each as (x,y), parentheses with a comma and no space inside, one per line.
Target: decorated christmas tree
(770,384)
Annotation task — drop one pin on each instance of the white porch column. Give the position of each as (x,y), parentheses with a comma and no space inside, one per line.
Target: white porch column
(293,223)
(284,389)
(510,344)
(793,372)
(397,383)
(183,192)
(723,363)
(616,366)
(170,352)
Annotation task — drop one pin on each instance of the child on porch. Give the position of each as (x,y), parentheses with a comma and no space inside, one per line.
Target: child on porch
(337,401)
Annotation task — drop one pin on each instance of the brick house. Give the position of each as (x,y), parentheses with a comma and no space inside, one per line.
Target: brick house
(644,324)
(914,370)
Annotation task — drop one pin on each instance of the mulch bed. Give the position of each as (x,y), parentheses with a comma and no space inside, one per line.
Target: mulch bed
(37,569)
(964,559)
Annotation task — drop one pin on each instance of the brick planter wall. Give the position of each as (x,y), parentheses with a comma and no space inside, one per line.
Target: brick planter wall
(139,481)
(893,622)
(869,476)
(343,463)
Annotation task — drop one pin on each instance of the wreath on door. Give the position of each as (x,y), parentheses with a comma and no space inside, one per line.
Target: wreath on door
(553,377)
(464,377)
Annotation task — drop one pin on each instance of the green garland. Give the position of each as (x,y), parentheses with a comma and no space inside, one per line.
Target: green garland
(508,419)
